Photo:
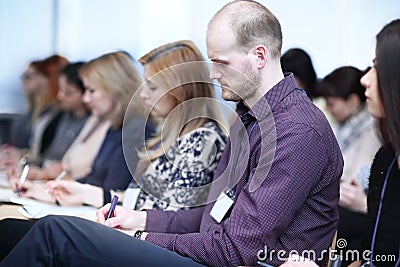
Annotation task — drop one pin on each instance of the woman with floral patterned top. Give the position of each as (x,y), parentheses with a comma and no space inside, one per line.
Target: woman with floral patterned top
(180,161)
(178,164)
(176,167)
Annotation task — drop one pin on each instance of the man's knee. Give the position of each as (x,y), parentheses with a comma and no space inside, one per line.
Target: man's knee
(52,222)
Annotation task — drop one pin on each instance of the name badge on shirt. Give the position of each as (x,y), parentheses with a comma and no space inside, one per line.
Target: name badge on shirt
(130,197)
(221,207)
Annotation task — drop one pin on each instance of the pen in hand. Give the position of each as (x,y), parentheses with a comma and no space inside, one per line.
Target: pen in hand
(60,176)
(22,179)
(264,264)
(114,203)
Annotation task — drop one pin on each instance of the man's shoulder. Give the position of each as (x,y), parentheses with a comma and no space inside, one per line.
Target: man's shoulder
(298,109)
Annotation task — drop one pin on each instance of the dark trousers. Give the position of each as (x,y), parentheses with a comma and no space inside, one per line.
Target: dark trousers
(11,232)
(72,241)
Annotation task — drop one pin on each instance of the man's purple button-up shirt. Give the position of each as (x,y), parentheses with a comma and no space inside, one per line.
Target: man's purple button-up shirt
(286,193)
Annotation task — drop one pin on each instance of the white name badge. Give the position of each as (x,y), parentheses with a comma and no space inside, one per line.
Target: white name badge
(221,207)
(130,197)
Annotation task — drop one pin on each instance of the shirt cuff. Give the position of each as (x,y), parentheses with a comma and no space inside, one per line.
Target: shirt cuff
(157,221)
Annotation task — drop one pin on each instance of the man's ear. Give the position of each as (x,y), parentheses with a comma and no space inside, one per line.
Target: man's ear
(261,53)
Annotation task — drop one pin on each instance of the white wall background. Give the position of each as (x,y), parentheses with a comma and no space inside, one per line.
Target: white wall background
(334,32)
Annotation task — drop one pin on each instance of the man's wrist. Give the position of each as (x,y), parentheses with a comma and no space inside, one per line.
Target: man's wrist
(142,218)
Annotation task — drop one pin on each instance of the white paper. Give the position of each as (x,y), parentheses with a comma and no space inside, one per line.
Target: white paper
(130,197)
(4,180)
(25,201)
(6,194)
(34,209)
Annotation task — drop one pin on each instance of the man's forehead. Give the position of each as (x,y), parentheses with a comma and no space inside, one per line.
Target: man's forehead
(219,38)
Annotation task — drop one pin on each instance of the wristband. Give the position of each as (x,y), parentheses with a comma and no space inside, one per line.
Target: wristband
(138,234)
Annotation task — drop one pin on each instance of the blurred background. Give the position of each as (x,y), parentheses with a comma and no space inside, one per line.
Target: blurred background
(333,32)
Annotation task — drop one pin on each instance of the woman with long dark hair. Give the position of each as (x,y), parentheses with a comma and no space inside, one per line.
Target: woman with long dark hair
(382,83)
(383,97)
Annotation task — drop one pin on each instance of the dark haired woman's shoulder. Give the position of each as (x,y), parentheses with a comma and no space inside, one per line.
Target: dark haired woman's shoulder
(383,157)
(385,153)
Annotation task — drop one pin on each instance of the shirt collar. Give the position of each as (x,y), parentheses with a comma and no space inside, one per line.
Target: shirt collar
(270,100)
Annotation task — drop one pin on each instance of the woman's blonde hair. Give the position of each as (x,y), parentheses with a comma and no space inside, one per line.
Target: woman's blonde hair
(116,74)
(181,70)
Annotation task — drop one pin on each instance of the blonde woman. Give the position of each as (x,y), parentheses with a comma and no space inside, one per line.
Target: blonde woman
(110,82)
(180,160)
(184,155)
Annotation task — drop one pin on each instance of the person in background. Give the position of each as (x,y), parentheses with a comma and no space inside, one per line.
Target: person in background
(298,62)
(280,190)
(79,157)
(67,123)
(41,85)
(188,155)
(110,82)
(190,132)
(74,115)
(382,83)
(345,100)
(185,153)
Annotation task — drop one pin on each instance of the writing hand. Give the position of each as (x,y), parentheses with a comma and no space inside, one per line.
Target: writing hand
(67,193)
(124,218)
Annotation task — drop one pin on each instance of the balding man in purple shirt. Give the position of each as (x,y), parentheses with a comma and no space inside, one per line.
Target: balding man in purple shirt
(275,191)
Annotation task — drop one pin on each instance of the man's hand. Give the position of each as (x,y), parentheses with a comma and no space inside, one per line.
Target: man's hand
(124,218)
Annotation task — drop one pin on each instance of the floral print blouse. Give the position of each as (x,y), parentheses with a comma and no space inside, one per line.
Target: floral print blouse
(170,181)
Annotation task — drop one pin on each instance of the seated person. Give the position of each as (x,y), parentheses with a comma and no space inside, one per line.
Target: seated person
(185,153)
(298,62)
(382,237)
(78,159)
(171,167)
(86,144)
(40,83)
(346,101)
(276,185)
(68,124)
(110,82)
(31,133)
